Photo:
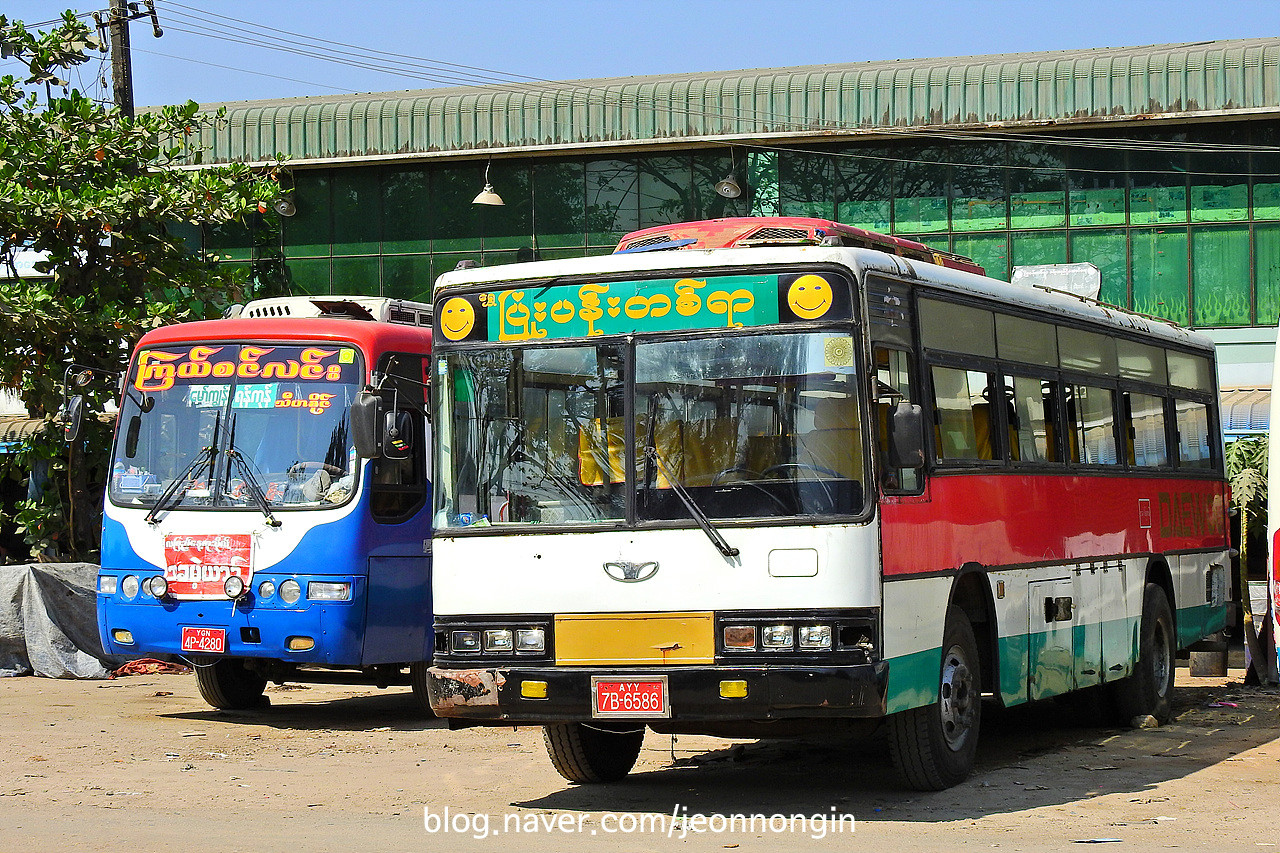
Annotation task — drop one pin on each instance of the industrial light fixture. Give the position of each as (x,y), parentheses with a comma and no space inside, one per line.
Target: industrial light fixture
(487,195)
(729,186)
(284,206)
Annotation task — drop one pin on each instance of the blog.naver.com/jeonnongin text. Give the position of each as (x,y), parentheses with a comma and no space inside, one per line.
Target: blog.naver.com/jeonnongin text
(680,823)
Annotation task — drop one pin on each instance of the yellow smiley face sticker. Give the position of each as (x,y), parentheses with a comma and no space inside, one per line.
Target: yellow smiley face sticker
(809,297)
(458,319)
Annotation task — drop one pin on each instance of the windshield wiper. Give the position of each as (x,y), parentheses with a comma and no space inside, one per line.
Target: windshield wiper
(255,488)
(205,456)
(699,516)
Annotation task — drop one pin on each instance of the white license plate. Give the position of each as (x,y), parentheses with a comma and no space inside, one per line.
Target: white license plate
(206,640)
(630,697)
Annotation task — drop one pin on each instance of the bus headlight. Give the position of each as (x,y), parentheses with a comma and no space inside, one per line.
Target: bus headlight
(778,637)
(290,591)
(464,642)
(108,584)
(815,636)
(233,586)
(266,589)
(158,586)
(498,640)
(740,637)
(129,586)
(328,591)
(531,640)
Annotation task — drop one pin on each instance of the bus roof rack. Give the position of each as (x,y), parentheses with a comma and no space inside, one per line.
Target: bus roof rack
(748,231)
(375,308)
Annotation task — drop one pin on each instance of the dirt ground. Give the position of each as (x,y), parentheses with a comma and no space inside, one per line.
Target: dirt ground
(141,764)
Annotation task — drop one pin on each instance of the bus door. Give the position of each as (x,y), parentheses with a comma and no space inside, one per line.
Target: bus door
(398,615)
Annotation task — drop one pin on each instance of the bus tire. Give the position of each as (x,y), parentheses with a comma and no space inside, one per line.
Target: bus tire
(1149,688)
(586,753)
(418,678)
(227,684)
(934,747)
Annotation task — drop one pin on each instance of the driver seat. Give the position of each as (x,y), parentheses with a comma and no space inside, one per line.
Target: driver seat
(835,442)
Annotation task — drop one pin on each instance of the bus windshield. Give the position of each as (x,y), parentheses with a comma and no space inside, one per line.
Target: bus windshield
(238,425)
(752,426)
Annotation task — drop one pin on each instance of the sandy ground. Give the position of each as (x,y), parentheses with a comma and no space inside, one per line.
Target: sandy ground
(141,764)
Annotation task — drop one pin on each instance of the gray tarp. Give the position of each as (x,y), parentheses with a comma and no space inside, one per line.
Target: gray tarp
(49,623)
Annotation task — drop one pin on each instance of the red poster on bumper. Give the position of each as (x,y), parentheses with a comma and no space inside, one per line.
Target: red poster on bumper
(197,566)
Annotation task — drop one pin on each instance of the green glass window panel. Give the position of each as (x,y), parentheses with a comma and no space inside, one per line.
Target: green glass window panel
(864,186)
(666,190)
(765,180)
(309,232)
(1160,272)
(406,206)
(806,183)
(407,277)
(1220,276)
(707,171)
(819,209)
(1038,210)
(1104,206)
(559,253)
(613,200)
(1266,199)
(357,276)
(1156,205)
(558,216)
(192,236)
(979,197)
(920,215)
(1220,178)
(1039,247)
(871,215)
(1108,250)
(357,211)
(309,276)
(455,223)
(957,328)
(232,240)
(990,251)
(1266,267)
(572,240)
(492,244)
(512,219)
(497,258)
(1220,203)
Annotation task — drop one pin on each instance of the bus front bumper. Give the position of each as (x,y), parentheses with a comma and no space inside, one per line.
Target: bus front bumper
(498,695)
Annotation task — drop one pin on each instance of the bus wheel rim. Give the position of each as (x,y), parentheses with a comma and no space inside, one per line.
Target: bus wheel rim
(958,698)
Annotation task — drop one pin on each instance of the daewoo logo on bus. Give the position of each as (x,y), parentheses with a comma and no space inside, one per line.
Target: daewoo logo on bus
(1190,514)
(158,370)
(628,572)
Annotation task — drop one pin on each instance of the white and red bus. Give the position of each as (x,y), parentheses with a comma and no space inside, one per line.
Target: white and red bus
(818,476)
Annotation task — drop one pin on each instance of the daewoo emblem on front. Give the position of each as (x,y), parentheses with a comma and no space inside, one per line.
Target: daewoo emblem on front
(628,572)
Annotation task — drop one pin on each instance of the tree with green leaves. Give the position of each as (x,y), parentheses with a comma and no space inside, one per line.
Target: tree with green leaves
(97,194)
(1247,472)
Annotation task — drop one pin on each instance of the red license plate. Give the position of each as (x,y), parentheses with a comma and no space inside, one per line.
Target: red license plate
(206,640)
(614,697)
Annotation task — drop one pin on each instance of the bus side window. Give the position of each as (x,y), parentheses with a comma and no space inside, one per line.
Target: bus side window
(893,385)
(398,487)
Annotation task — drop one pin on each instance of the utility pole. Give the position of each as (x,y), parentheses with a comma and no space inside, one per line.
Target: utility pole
(117,23)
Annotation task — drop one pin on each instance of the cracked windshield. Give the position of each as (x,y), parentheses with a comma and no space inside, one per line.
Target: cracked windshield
(236,426)
(754,426)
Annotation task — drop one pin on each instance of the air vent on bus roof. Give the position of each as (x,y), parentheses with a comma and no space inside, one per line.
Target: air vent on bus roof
(648,241)
(776,235)
(379,309)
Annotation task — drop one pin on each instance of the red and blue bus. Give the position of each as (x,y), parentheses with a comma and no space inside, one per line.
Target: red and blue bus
(760,477)
(268,513)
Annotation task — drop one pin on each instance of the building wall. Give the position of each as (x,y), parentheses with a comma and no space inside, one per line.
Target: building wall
(1183,219)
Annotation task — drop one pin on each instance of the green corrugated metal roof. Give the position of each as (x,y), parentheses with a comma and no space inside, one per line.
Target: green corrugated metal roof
(1240,76)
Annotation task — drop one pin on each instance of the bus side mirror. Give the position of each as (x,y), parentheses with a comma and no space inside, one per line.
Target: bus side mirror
(74,416)
(365,425)
(906,445)
(397,435)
